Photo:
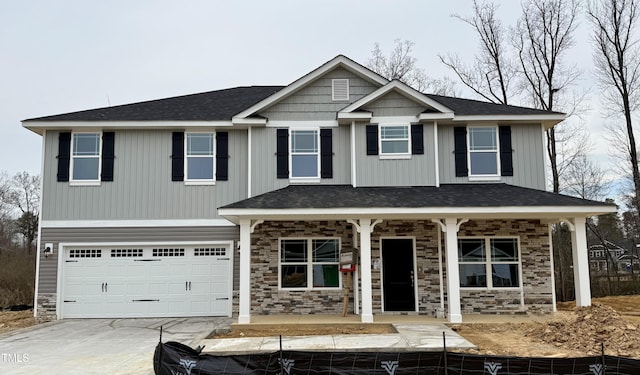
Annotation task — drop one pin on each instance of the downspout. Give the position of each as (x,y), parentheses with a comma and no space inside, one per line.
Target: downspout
(435,150)
(356,279)
(354,181)
(249,162)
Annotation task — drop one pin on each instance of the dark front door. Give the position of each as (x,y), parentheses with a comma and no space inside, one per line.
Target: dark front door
(397,277)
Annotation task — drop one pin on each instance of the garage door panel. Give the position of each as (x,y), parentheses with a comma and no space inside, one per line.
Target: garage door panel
(168,281)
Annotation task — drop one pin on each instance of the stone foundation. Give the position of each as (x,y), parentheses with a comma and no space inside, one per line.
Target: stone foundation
(46,307)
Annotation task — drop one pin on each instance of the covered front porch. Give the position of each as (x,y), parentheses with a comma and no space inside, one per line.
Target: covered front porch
(441,278)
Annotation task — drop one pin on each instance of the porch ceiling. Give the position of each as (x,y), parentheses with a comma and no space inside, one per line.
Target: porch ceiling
(341,202)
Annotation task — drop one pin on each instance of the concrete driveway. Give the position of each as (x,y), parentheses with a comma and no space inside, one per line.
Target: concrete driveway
(97,346)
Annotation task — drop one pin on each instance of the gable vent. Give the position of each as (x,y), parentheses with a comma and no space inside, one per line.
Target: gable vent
(339,89)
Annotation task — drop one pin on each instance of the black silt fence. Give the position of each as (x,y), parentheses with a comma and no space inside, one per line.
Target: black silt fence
(173,358)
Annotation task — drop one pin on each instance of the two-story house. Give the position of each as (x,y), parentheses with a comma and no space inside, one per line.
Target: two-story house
(243,200)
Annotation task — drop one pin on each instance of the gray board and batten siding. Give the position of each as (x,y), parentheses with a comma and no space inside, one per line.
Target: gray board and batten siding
(138,235)
(314,102)
(263,160)
(528,156)
(142,188)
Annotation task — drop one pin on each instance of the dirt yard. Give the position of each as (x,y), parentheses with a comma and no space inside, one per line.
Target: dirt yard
(612,321)
(12,320)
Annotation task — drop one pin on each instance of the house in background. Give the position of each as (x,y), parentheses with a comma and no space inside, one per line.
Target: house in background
(618,258)
(242,201)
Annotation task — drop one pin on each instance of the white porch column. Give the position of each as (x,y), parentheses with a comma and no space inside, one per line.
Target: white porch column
(244,316)
(366,315)
(580,262)
(453,272)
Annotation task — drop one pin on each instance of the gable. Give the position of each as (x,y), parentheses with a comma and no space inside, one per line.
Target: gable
(394,104)
(314,101)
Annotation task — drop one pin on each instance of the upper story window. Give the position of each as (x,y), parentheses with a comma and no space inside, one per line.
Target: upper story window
(199,157)
(309,263)
(339,89)
(85,157)
(305,158)
(497,257)
(394,140)
(483,151)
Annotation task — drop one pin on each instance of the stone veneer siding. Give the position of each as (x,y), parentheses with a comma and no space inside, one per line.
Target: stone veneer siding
(266,298)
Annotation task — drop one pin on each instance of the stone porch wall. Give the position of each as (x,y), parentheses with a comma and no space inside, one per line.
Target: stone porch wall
(266,298)
(536,269)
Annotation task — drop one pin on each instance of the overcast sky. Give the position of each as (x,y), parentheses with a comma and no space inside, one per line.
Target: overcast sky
(64,56)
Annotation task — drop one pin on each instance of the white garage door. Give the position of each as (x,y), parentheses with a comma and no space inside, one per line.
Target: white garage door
(146,281)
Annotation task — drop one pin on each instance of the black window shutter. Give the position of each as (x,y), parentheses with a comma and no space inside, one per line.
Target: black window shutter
(282,153)
(460,151)
(64,154)
(326,153)
(506,157)
(372,139)
(177,156)
(222,156)
(417,139)
(108,147)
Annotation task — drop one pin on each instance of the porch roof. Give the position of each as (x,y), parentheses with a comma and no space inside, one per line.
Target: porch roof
(471,200)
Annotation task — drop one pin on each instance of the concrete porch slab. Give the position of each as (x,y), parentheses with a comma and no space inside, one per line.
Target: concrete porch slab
(409,337)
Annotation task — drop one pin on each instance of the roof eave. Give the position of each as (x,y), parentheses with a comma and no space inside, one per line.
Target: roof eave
(547,120)
(341,213)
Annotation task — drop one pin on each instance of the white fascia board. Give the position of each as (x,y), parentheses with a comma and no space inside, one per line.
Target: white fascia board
(355,116)
(303,124)
(249,121)
(549,120)
(403,88)
(135,223)
(38,126)
(435,116)
(310,77)
(434,212)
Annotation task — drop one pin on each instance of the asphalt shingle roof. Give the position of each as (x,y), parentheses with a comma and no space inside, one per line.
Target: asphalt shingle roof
(207,106)
(466,107)
(222,105)
(449,195)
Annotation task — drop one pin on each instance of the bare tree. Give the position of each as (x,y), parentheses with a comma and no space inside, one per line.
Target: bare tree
(585,179)
(617,67)
(401,65)
(25,197)
(492,71)
(545,34)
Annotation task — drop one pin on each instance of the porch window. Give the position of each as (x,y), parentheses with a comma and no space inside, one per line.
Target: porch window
(498,257)
(309,263)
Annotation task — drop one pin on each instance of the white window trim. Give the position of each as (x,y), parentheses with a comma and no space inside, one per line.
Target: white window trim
(73,182)
(309,179)
(484,177)
(394,155)
(333,90)
(309,263)
(488,263)
(187,180)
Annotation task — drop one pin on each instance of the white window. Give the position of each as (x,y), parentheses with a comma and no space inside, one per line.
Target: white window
(483,151)
(200,157)
(305,158)
(85,157)
(497,257)
(339,89)
(309,263)
(394,140)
